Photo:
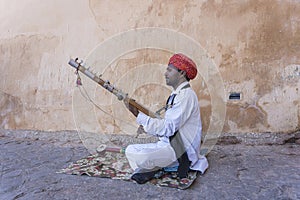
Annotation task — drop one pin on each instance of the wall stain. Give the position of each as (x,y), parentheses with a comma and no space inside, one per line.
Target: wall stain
(247,117)
(271,42)
(24,53)
(11,115)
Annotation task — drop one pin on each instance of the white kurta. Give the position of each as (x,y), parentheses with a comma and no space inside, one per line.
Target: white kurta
(184,116)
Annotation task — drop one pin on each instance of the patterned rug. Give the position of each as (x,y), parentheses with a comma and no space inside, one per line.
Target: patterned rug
(115,166)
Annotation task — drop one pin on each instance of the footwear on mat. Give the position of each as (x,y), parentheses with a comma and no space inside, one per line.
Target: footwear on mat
(142,178)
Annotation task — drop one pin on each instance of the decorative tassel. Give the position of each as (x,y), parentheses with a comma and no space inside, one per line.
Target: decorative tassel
(78,81)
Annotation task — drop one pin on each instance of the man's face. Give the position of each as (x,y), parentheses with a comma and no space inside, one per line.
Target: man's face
(172,76)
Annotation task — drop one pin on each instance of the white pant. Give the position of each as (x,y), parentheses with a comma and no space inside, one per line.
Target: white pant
(150,156)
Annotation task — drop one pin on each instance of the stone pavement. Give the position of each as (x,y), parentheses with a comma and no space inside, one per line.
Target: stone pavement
(29,161)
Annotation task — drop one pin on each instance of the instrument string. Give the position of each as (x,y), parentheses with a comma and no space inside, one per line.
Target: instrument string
(87,97)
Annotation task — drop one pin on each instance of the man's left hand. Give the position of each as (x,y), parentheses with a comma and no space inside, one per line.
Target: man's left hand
(131,108)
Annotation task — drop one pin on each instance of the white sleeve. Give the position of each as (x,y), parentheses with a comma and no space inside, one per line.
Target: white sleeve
(174,118)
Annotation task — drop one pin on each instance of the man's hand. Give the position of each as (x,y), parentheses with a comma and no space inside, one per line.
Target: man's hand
(131,108)
(139,131)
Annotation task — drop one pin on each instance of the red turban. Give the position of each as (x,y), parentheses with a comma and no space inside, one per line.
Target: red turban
(184,63)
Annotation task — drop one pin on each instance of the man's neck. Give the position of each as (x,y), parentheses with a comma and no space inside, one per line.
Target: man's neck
(179,83)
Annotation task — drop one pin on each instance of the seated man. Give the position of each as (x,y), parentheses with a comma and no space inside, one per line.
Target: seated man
(179,131)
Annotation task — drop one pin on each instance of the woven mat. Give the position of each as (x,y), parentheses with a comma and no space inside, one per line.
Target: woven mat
(115,166)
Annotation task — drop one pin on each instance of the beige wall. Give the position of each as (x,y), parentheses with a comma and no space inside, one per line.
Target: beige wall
(251,47)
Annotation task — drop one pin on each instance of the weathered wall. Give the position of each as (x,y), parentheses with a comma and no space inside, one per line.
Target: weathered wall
(255,46)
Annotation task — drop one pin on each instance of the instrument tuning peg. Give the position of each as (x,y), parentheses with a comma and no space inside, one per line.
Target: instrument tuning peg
(78,60)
